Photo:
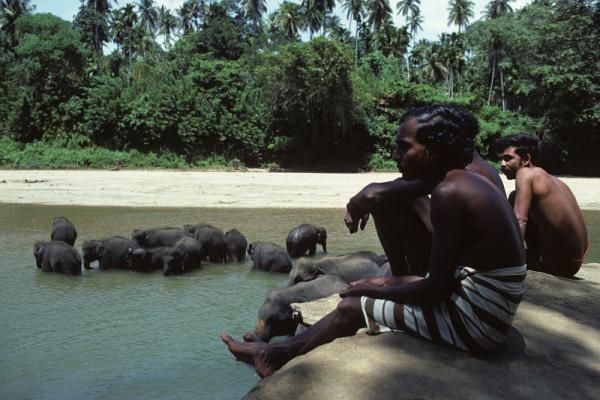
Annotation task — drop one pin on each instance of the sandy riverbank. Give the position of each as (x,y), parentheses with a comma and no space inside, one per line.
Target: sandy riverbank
(252,189)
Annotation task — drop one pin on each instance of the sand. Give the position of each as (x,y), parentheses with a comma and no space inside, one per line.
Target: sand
(174,188)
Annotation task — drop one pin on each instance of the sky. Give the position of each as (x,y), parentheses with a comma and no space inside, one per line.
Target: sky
(435,12)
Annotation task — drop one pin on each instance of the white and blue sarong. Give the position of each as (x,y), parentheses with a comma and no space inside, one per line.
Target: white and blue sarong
(476,316)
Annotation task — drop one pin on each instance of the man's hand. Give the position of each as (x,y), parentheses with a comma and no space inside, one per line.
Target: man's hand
(352,222)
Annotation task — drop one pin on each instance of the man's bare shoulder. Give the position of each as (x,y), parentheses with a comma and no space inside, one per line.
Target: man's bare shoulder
(456,183)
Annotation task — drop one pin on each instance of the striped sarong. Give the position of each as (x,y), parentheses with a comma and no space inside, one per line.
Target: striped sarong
(476,316)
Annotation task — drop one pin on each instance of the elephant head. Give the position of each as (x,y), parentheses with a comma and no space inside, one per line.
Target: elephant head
(38,252)
(274,318)
(92,251)
(141,237)
(252,247)
(322,237)
(173,260)
(303,270)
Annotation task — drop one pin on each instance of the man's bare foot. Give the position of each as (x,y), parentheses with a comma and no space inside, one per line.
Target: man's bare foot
(255,354)
(252,336)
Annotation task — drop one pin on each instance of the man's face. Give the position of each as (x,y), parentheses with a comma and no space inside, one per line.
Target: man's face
(512,162)
(410,155)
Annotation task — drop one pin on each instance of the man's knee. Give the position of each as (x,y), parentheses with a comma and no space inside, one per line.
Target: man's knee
(349,308)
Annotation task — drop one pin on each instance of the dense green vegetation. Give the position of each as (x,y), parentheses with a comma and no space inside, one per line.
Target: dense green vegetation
(209,83)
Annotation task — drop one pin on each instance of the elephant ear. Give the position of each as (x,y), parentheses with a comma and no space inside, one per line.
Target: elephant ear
(100,249)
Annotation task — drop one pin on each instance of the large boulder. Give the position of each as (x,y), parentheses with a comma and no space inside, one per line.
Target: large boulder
(553,352)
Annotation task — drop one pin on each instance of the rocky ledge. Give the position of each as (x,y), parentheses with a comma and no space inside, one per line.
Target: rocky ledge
(553,352)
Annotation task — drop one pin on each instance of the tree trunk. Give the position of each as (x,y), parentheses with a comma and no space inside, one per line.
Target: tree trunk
(492,80)
(356,43)
(502,89)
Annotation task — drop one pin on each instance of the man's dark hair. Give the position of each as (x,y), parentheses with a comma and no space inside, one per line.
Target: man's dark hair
(446,130)
(523,143)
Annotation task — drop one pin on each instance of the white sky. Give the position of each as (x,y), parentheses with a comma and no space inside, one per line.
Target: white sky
(435,12)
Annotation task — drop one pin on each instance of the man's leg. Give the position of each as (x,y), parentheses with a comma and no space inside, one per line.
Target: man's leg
(405,233)
(345,320)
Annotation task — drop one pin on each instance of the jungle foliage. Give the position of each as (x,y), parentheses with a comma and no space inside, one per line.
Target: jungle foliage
(209,83)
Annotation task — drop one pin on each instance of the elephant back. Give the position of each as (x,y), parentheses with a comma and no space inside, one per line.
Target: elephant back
(236,244)
(63,230)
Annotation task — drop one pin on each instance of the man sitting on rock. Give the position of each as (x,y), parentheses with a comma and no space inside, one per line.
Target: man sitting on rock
(401,208)
(550,219)
(476,280)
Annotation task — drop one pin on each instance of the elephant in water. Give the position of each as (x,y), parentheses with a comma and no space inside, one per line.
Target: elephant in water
(146,260)
(184,256)
(236,244)
(305,238)
(349,268)
(212,242)
(63,229)
(275,317)
(57,256)
(111,252)
(159,237)
(269,257)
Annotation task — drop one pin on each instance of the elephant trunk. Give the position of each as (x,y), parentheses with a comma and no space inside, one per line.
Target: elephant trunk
(86,264)
(324,244)
(262,330)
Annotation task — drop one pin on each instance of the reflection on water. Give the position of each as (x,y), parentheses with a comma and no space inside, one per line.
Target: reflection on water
(118,334)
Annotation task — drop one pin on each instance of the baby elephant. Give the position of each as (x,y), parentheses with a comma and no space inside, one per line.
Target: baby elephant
(111,252)
(184,256)
(236,244)
(57,256)
(269,257)
(305,238)
(64,230)
(349,268)
(146,260)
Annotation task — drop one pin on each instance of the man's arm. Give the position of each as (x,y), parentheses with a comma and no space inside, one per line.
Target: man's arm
(444,259)
(374,194)
(523,197)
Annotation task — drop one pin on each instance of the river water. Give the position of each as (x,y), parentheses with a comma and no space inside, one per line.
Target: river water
(117,334)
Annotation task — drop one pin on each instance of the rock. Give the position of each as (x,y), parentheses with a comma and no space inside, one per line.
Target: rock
(553,352)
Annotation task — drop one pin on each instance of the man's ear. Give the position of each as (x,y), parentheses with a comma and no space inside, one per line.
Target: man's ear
(527,160)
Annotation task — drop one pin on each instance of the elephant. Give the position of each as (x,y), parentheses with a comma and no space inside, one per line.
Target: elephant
(146,259)
(236,244)
(275,317)
(349,268)
(57,256)
(64,230)
(269,257)
(192,228)
(157,237)
(379,259)
(184,256)
(111,252)
(212,243)
(384,270)
(304,238)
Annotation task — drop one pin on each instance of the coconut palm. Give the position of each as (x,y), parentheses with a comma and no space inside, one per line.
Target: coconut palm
(498,8)
(460,12)
(125,32)
(189,15)
(415,24)
(10,11)
(255,10)
(289,19)
(167,24)
(433,66)
(355,11)
(313,16)
(406,7)
(378,11)
(148,15)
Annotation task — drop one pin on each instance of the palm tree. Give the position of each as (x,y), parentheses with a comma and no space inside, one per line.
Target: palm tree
(124,24)
(433,67)
(379,11)
(405,7)
(167,24)
(10,11)
(189,15)
(460,12)
(255,10)
(148,15)
(355,10)
(289,19)
(313,16)
(415,24)
(498,8)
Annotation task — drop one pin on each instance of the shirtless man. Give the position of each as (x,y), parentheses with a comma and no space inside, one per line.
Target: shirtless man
(476,280)
(549,217)
(401,208)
